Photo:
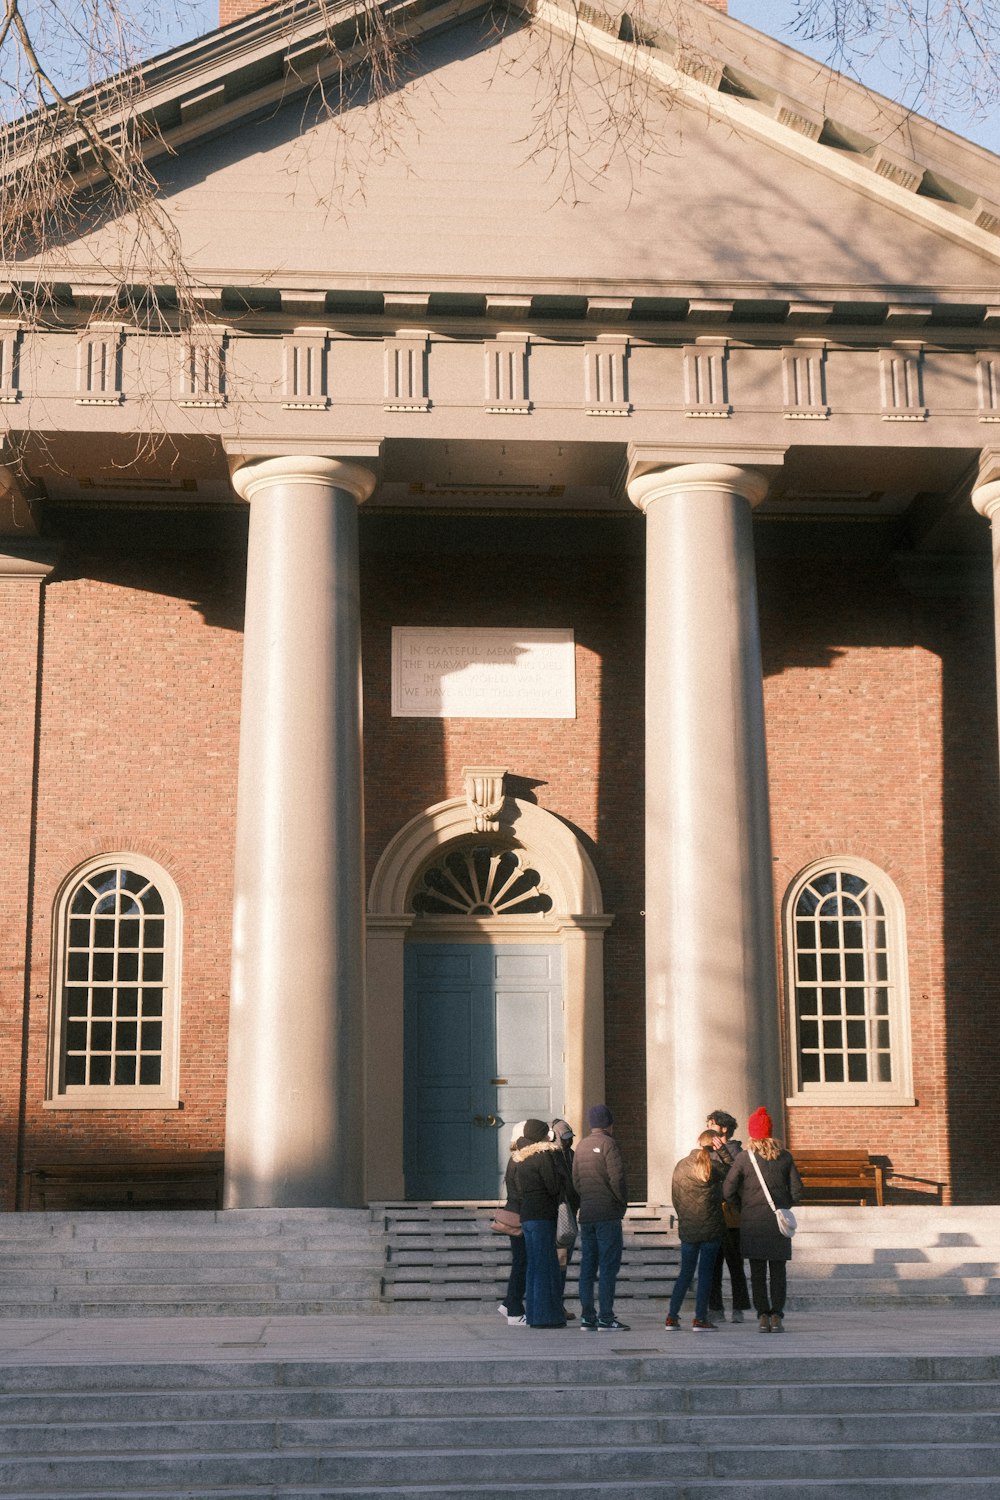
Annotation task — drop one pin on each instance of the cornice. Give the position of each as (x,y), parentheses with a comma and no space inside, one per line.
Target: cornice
(690,69)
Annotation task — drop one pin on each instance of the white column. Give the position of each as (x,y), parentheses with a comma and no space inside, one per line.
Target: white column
(295,1103)
(712,1032)
(986,499)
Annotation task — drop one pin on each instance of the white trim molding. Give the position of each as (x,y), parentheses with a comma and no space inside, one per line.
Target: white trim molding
(576,920)
(128,986)
(850,969)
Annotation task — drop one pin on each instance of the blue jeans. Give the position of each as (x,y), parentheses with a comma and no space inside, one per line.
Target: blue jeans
(543,1304)
(514,1300)
(600,1257)
(701,1256)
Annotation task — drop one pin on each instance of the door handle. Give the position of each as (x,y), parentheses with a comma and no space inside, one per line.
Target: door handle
(488,1120)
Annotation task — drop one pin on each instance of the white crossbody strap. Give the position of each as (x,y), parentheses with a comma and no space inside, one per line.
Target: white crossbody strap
(760,1175)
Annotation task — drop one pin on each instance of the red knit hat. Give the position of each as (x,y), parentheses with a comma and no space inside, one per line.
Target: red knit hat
(759,1125)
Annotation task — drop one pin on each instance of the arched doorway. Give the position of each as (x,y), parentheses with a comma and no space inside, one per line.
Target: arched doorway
(482,949)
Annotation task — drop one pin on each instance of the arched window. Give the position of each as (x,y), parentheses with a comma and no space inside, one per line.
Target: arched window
(848,1003)
(480,879)
(115,1015)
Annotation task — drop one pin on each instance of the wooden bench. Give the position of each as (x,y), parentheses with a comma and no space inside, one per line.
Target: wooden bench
(840,1176)
(150,1182)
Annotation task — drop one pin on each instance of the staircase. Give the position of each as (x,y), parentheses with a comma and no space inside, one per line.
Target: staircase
(413,1258)
(903,1255)
(256,1262)
(444,1255)
(743,1426)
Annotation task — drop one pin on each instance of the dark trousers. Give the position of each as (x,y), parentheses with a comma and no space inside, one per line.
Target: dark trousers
(732,1258)
(514,1300)
(543,1304)
(600,1259)
(760,1270)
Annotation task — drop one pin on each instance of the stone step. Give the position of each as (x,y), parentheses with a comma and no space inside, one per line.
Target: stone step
(642,1426)
(631,1489)
(817,1400)
(835,1426)
(418,1256)
(327,1469)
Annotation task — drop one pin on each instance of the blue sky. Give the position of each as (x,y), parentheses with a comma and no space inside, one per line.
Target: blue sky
(777,17)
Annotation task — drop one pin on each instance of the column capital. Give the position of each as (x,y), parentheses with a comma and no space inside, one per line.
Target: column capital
(696,478)
(249,477)
(28,561)
(986,499)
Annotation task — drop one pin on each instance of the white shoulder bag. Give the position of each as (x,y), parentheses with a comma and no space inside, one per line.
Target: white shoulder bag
(784,1216)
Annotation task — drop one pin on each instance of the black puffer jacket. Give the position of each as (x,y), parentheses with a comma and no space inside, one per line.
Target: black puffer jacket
(599,1178)
(540,1179)
(760,1237)
(697,1203)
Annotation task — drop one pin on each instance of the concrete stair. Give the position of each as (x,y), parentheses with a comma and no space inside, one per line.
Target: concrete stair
(903,1255)
(416,1258)
(739,1426)
(254,1263)
(445,1254)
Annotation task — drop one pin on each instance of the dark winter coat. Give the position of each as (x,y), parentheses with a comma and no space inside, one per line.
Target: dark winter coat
(599,1178)
(697,1203)
(760,1237)
(540,1179)
(510,1186)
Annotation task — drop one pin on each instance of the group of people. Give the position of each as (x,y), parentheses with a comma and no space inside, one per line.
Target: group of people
(543,1172)
(724,1197)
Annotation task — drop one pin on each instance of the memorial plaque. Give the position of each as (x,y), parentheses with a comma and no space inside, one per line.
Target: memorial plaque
(482,674)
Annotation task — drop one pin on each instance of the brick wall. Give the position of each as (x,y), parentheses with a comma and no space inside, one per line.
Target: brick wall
(139,719)
(20,619)
(882,743)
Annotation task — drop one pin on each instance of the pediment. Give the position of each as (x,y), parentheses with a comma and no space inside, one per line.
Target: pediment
(468,181)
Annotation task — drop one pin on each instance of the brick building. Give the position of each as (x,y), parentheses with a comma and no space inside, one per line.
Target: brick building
(656,514)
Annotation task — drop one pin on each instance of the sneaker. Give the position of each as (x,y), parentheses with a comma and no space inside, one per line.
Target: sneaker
(502,1310)
(671,1322)
(777,1323)
(613,1327)
(588,1325)
(701,1325)
(517,1322)
(736,1316)
(717,1314)
(569,1316)
(764,1323)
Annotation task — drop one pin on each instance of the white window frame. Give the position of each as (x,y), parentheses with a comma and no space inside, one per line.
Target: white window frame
(162,1095)
(900,1090)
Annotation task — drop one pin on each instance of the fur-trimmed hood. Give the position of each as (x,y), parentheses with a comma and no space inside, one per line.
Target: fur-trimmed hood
(524,1152)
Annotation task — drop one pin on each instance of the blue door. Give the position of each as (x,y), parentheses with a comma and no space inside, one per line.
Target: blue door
(483,1032)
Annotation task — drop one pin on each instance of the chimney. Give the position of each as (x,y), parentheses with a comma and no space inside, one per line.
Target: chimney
(235,10)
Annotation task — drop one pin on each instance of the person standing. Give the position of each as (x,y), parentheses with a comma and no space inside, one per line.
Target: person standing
(599,1178)
(766,1248)
(541,1183)
(563,1132)
(512,1306)
(725,1149)
(696,1191)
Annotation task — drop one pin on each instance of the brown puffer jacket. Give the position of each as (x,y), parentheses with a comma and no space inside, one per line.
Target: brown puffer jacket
(697,1203)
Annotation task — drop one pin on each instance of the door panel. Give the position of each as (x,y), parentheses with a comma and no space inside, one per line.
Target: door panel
(483,1039)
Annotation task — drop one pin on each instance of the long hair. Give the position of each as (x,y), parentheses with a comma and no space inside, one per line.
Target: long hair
(769,1149)
(703,1162)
